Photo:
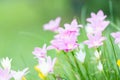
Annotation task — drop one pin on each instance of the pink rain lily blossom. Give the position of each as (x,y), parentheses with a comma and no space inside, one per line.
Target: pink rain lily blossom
(67,38)
(95,40)
(65,42)
(40,52)
(66,45)
(73,27)
(116,35)
(53,25)
(5,74)
(97,22)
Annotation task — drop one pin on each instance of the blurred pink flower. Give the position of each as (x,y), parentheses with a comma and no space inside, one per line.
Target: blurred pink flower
(97,22)
(53,25)
(40,52)
(73,27)
(64,44)
(99,16)
(95,40)
(5,74)
(67,38)
(116,35)
(6,68)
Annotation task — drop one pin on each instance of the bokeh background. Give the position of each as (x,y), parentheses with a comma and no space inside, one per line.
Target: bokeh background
(21,24)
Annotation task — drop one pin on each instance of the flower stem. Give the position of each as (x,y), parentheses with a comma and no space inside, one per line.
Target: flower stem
(104,75)
(77,65)
(74,67)
(115,55)
(111,9)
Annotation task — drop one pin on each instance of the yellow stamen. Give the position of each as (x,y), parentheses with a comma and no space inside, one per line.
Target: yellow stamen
(37,69)
(42,76)
(118,63)
(23,78)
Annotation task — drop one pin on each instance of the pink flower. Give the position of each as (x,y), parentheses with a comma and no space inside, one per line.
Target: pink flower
(53,25)
(5,74)
(67,38)
(116,35)
(40,52)
(99,16)
(64,44)
(73,27)
(95,40)
(97,22)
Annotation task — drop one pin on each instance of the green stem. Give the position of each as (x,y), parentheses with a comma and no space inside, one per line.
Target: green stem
(102,63)
(107,62)
(87,71)
(74,67)
(111,9)
(116,27)
(77,64)
(104,75)
(115,55)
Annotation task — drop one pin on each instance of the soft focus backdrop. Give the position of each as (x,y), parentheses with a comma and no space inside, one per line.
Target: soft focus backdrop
(21,24)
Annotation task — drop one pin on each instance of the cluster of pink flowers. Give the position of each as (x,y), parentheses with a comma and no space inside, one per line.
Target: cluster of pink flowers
(97,24)
(66,40)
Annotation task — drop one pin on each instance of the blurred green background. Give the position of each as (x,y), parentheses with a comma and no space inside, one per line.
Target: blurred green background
(21,24)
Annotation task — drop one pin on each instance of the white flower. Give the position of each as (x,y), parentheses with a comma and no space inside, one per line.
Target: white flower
(97,54)
(19,75)
(81,46)
(81,56)
(6,63)
(100,66)
(6,68)
(46,66)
